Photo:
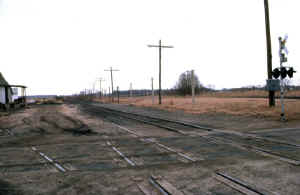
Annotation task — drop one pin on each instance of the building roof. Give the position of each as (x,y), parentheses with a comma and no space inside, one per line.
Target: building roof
(3,82)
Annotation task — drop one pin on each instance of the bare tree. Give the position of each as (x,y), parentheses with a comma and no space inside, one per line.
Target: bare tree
(184,84)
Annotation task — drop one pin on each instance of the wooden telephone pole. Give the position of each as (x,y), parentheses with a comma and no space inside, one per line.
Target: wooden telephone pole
(193,86)
(159,47)
(269,51)
(112,82)
(100,80)
(152,90)
(130,89)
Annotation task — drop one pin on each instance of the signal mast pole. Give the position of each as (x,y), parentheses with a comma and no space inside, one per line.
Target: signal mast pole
(282,117)
(282,60)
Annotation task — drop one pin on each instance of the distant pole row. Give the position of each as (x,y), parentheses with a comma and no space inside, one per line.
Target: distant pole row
(100,79)
(160,46)
(111,70)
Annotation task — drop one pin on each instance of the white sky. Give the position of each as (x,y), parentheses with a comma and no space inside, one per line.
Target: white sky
(62,46)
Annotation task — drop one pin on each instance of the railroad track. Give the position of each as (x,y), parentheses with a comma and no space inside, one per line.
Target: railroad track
(167,121)
(239,185)
(182,155)
(183,128)
(6,133)
(179,127)
(162,185)
(256,149)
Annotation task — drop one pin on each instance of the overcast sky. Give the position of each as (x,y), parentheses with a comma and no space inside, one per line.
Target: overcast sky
(62,46)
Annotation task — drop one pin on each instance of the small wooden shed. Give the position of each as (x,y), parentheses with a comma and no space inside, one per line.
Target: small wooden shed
(6,94)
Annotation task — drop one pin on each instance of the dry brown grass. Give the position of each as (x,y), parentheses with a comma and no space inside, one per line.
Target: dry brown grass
(249,93)
(257,107)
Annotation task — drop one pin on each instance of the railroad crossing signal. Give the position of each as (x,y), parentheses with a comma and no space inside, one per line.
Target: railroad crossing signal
(283,58)
(276,73)
(282,44)
(290,72)
(283,72)
(282,49)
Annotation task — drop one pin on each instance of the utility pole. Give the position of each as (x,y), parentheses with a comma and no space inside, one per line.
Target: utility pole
(159,47)
(100,79)
(269,51)
(112,82)
(193,87)
(130,90)
(94,89)
(109,92)
(152,90)
(118,94)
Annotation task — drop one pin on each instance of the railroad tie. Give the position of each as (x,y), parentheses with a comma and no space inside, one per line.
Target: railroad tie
(164,186)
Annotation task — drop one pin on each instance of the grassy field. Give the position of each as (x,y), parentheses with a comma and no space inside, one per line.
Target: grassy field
(250,93)
(223,103)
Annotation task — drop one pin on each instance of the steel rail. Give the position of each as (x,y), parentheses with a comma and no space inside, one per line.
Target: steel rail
(122,155)
(159,187)
(255,149)
(147,122)
(161,119)
(212,129)
(223,140)
(157,143)
(58,166)
(244,188)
